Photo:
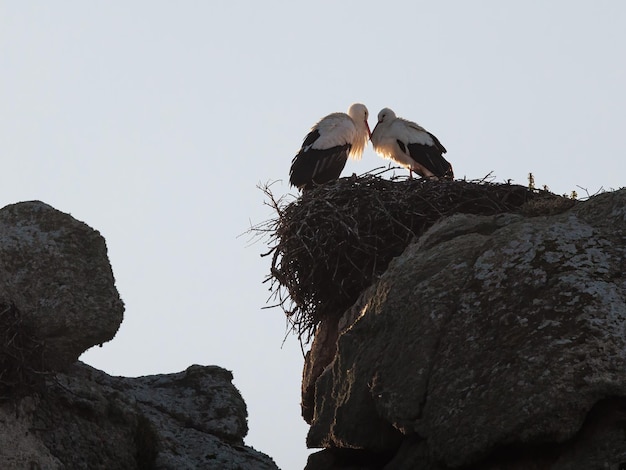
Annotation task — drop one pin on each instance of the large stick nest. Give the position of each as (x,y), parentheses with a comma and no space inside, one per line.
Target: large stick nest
(332,242)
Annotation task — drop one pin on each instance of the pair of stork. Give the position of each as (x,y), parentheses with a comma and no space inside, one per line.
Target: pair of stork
(327,146)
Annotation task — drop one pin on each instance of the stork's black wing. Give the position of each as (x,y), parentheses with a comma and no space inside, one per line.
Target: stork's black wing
(430,157)
(312,167)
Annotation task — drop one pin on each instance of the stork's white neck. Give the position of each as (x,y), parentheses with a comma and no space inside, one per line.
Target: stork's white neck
(358,113)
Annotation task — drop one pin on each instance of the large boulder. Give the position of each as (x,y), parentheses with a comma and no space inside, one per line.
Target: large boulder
(493,341)
(55,277)
(57,299)
(195,419)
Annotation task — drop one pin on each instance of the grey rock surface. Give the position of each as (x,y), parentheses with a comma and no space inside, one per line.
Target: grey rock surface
(488,337)
(57,299)
(86,419)
(56,271)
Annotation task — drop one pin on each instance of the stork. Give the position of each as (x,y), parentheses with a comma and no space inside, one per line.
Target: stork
(411,146)
(328,145)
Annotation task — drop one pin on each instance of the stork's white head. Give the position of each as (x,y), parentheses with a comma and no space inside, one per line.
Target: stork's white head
(358,112)
(386,114)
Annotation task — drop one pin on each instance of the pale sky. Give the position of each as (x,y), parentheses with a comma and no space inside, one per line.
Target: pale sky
(154,121)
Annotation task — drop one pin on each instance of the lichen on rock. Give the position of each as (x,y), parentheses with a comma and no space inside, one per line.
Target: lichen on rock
(57,299)
(493,341)
(55,270)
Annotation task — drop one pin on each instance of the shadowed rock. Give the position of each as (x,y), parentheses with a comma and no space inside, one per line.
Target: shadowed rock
(493,341)
(88,419)
(56,272)
(57,299)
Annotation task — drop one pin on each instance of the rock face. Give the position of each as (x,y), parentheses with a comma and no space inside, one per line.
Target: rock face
(57,299)
(491,343)
(195,419)
(56,272)
(188,420)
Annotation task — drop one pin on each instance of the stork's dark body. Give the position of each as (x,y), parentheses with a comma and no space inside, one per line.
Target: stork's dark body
(312,167)
(430,157)
(327,147)
(410,145)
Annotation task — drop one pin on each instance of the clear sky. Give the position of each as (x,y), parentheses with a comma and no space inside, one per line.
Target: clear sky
(154,121)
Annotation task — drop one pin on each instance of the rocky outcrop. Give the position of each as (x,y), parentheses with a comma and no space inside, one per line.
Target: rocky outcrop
(492,342)
(87,419)
(56,272)
(57,299)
